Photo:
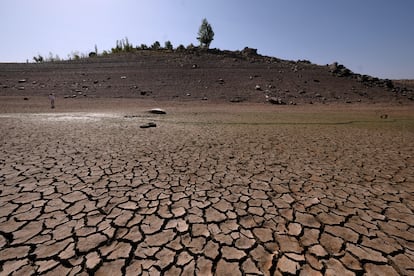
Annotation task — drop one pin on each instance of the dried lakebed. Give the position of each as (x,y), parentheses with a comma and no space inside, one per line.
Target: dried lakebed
(224,193)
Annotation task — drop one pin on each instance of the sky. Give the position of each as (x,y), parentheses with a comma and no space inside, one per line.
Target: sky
(373,37)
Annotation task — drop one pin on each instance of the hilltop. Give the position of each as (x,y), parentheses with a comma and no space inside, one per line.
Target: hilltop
(195,75)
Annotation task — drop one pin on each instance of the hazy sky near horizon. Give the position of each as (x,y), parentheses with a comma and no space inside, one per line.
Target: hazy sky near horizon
(374,37)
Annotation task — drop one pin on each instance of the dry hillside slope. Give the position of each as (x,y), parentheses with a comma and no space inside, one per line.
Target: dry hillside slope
(211,75)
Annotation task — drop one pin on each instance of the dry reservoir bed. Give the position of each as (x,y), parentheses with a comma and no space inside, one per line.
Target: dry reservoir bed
(212,189)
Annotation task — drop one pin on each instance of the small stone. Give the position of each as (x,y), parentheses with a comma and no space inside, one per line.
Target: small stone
(148,125)
(157,111)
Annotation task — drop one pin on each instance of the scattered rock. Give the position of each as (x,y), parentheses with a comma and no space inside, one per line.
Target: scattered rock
(22,81)
(123,77)
(237,100)
(21,88)
(157,111)
(249,51)
(26,99)
(194,66)
(148,125)
(258,87)
(384,116)
(278,101)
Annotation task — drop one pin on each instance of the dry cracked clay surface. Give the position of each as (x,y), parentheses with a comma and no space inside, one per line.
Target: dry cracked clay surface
(213,192)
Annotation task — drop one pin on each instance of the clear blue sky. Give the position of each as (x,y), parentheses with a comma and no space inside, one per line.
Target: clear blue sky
(374,37)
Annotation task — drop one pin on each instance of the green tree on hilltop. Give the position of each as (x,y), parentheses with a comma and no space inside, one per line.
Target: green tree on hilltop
(205,34)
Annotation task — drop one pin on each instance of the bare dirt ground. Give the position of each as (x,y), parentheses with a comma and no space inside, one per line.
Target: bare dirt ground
(225,184)
(223,189)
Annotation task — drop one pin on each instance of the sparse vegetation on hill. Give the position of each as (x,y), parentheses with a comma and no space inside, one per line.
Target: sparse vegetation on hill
(196,73)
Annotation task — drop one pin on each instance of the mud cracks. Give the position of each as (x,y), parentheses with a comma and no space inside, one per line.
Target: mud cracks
(102,196)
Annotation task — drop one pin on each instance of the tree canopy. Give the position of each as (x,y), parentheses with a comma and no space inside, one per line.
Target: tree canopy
(205,34)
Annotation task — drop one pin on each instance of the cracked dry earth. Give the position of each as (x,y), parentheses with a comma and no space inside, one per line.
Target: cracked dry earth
(95,194)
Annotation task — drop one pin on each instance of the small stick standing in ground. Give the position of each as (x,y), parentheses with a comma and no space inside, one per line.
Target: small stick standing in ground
(52,99)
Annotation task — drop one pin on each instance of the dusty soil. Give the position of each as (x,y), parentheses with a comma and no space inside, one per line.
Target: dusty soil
(217,187)
(245,189)
(194,76)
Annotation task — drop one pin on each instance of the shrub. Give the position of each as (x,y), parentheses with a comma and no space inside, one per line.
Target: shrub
(168,45)
(181,48)
(143,47)
(122,45)
(38,59)
(156,45)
